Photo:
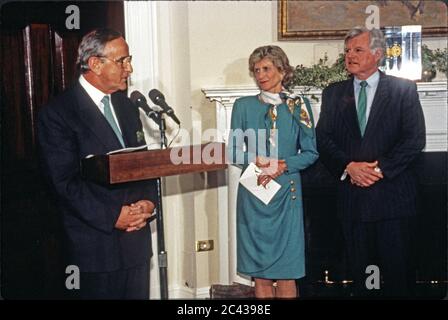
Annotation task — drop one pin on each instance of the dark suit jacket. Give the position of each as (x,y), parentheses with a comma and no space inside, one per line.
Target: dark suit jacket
(395,135)
(70,128)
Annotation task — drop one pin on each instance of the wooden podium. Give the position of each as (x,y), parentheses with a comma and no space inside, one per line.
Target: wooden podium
(144,165)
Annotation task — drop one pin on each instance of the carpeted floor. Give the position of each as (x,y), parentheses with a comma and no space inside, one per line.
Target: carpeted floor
(434,291)
(233,291)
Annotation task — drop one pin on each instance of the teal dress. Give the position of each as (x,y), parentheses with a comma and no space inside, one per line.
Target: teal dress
(270,238)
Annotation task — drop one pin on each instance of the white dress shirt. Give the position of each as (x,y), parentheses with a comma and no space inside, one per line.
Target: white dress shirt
(97,95)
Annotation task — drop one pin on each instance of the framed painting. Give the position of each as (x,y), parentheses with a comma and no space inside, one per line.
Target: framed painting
(308,20)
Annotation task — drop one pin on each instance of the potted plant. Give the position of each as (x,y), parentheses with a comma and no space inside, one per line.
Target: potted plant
(433,61)
(428,64)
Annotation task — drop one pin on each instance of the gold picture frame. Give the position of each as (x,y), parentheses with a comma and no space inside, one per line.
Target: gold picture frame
(309,20)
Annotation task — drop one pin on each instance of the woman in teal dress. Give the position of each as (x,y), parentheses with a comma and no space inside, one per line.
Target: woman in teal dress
(274,130)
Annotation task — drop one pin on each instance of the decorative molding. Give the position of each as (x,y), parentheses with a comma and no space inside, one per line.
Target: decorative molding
(433,97)
(203,293)
(436,141)
(229,94)
(181,292)
(432,86)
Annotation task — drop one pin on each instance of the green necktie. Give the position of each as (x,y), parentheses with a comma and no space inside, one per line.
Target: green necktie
(110,118)
(362,106)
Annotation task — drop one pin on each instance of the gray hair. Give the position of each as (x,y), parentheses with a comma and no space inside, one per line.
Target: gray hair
(377,40)
(92,44)
(278,58)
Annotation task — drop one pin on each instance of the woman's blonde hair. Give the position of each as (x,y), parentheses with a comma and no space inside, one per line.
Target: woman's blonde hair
(278,58)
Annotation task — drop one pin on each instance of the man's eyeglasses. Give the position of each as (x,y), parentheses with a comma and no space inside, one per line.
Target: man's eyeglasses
(120,61)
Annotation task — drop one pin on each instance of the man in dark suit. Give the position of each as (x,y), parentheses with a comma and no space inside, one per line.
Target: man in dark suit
(106,228)
(370,130)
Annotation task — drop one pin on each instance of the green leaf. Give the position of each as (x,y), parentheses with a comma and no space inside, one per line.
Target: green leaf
(319,75)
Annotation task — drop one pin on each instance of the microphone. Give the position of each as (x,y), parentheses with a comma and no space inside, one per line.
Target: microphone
(157,98)
(140,101)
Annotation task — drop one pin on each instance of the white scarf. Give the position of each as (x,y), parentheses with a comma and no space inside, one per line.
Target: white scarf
(271,98)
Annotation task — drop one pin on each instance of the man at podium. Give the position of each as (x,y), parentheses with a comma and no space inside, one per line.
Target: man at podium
(107,236)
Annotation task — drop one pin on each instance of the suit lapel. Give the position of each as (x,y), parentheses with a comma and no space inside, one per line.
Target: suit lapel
(378,104)
(95,120)
(348,109)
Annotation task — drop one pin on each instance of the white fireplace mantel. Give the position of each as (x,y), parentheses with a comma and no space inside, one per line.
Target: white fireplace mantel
(433,97)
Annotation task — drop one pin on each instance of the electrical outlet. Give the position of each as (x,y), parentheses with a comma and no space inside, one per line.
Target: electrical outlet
(204,245)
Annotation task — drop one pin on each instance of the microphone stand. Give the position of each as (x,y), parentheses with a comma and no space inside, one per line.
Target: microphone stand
(162,257)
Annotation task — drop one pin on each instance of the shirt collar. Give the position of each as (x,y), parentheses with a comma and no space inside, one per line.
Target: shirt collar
(94,93)
(372,81)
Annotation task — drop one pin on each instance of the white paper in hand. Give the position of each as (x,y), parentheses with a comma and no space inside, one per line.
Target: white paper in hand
(249,180)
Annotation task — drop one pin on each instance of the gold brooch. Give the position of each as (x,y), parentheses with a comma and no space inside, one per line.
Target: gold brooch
(140,136)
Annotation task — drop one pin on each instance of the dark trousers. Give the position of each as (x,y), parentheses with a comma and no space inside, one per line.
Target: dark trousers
(385,244)
(129,284)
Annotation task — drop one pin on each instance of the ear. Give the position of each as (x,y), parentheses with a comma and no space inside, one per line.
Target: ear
(378,54)
(95,65)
